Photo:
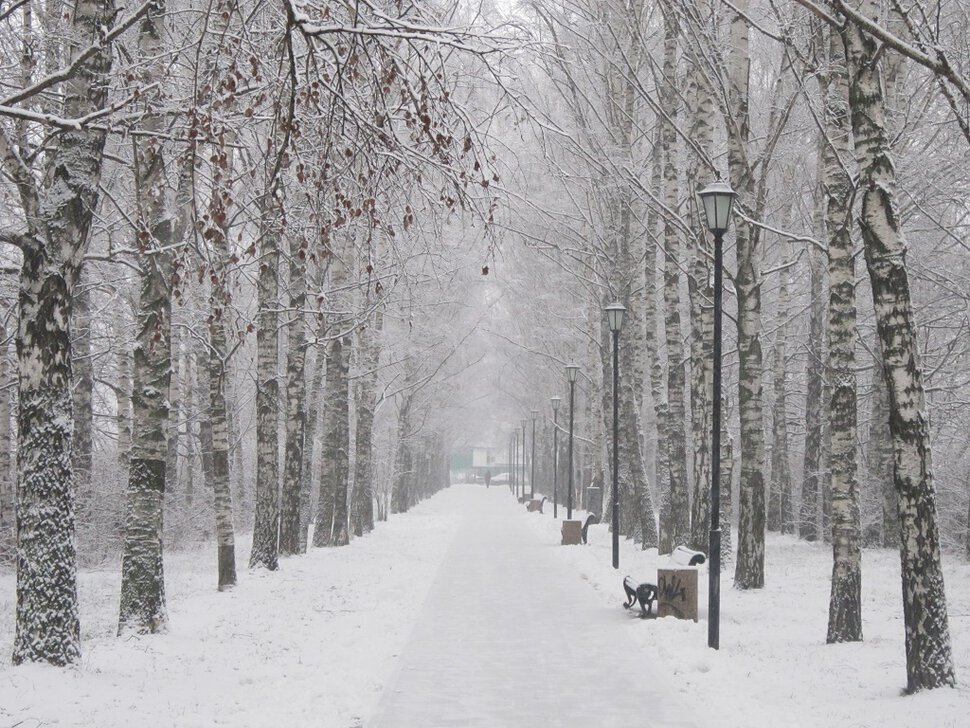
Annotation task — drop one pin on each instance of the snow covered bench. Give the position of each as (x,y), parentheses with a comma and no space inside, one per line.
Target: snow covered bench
(643,592)
(535,505)
(683,556)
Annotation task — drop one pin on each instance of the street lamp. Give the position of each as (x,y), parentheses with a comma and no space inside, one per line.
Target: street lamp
(614,314)
(555,455)
(532,477)
(718,201)
(525,457)
(572,371)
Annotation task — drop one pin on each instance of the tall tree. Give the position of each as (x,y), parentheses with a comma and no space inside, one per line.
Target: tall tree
(676,530)
(845,604)
(929,662)
(58,212)
(142,576)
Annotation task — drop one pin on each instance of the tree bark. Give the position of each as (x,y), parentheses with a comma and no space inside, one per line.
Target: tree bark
(365,396)
(929,662)
(780,499)
(58,223)
(808,514)
(265,552)
(750,565)
(295,420)
(845,603)
(142,607)
(676,515)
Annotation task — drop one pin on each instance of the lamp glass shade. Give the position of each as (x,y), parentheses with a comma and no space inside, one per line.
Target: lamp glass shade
(718,200)
(524,423)
(555,403)
(614,313)
(535,414)
(572,371)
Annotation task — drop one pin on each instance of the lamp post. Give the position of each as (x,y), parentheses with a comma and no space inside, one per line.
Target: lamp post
(718,201)
(532,477)
(515,461)
(555,455)
(614,314)
(525,454)
(572,370)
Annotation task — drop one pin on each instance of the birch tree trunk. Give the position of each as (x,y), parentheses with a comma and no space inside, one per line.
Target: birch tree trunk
(83,383)
(808,514)
(750,565)
(677,511)
(365,396)
(880,457)
(779,503)
(123,383)
(7,494)
(403,461)
(142,607)
(929,663)
(218,363)
(58,220)
(701,293)
(295,420)
(845,603)
(336,433)
(265,552)
(313,416)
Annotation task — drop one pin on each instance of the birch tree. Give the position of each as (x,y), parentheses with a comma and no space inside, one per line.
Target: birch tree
(929,663)
(58,211)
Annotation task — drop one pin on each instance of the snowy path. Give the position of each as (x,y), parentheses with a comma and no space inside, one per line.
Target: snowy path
(511,637)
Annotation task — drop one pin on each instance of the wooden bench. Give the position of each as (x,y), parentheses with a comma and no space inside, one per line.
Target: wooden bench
(683,556)
(535,506)
(642,592)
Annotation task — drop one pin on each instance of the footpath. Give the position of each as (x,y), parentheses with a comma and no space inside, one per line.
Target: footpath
(511,637)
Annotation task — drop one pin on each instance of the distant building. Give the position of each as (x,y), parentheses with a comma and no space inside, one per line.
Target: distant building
(471,462)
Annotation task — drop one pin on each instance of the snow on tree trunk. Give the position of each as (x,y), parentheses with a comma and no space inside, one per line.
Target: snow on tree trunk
(701,295)
(929,663)
(727,480)
(750,564)
(336,431)
(403,461)
(217,366)
(82,370)
(310,439)
(295,418)
(365,396)
(6,479)
(880,457)
(845,603)
(654,322)
(808,515)
(779,502)
(265,552)
(122,351)
(58,223)
(142,607)
(676,515)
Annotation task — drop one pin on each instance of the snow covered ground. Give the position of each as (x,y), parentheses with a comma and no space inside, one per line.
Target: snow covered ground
(315,643)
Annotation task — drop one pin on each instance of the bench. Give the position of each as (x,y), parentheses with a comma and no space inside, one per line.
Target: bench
(535,506)
(642,592)
(591,519)
(683,556)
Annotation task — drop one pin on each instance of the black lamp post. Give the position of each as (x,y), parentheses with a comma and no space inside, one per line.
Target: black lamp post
(532,476)
(516,454)
(525,454)
(614,314)
(718,201)
(555,455)
(572,370)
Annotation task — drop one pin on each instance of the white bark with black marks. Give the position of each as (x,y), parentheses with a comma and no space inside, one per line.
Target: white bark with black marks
(929,661)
